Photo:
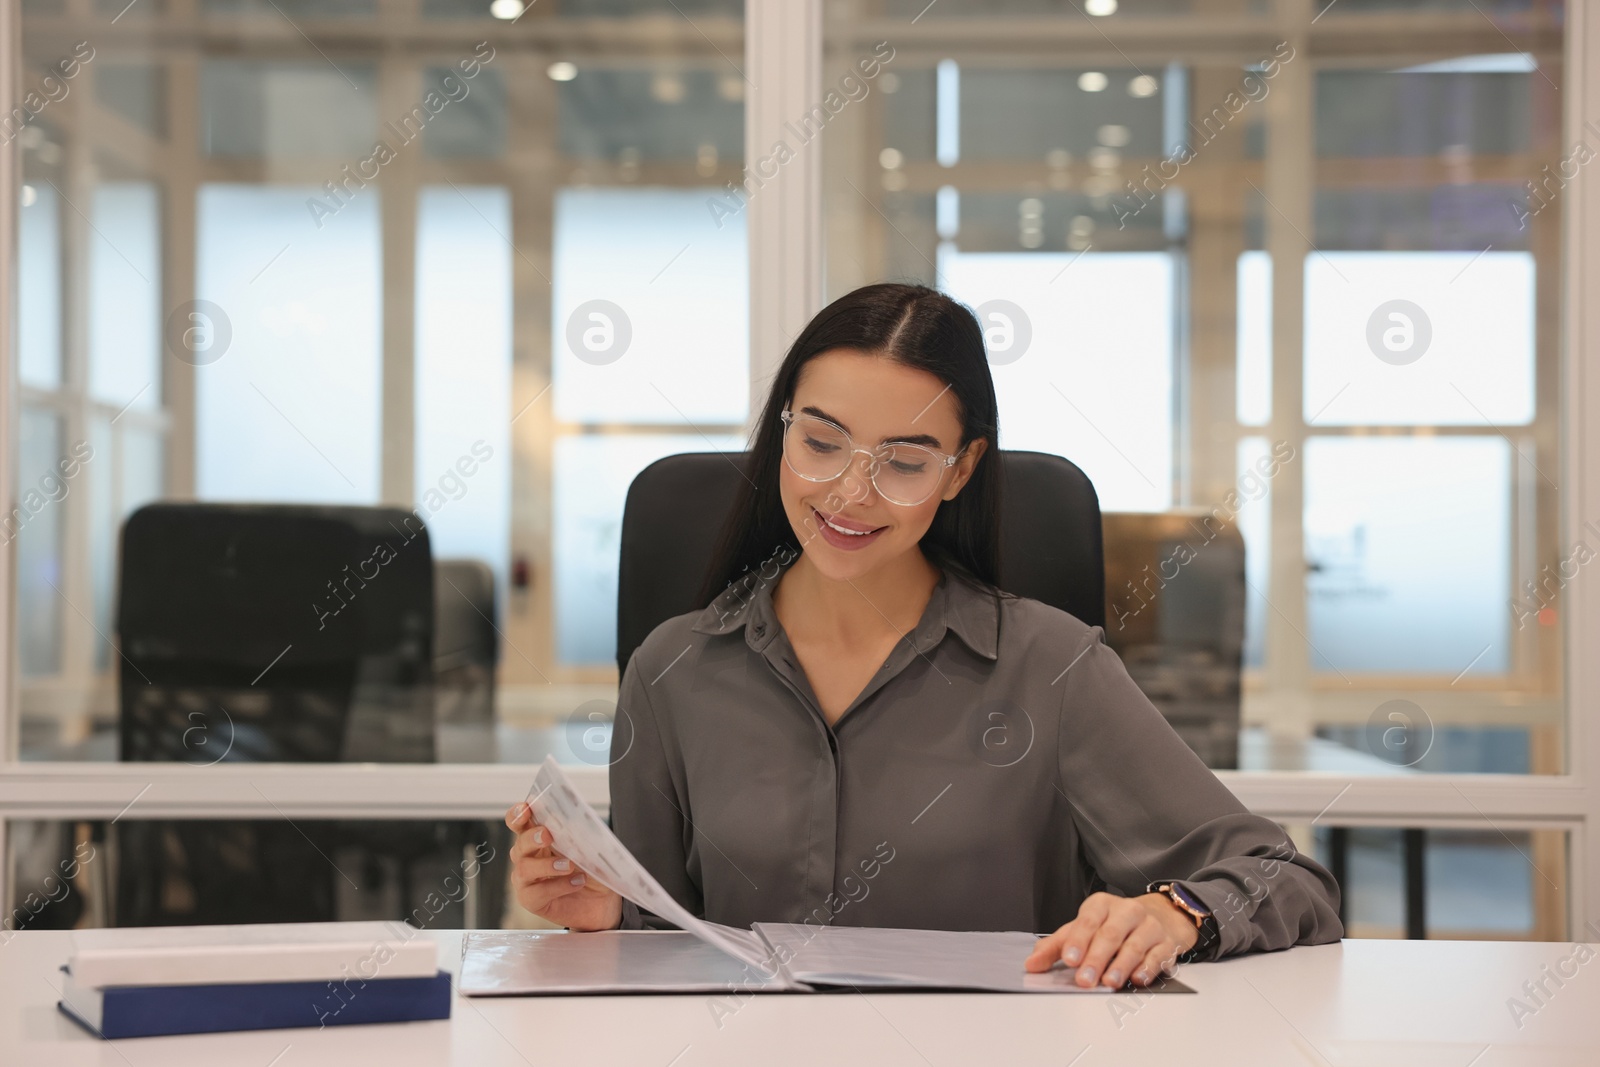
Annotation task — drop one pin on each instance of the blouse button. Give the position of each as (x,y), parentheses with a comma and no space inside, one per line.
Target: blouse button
(761,628)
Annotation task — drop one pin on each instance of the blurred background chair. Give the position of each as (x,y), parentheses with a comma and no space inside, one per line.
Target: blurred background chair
(310,629)
(274,633)
(466,652)
(1050,547)
(1175,606)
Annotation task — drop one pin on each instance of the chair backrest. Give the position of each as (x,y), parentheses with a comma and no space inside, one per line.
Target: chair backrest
(466,646)
(1050,547)
(1176,617)
(275,632)
(264,632)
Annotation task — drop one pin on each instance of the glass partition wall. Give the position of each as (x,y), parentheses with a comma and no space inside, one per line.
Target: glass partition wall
(1278,279)
(1294,269)
(334,253)
(1297,274)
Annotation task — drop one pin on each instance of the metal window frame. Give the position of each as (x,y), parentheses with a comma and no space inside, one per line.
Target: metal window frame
(783,57)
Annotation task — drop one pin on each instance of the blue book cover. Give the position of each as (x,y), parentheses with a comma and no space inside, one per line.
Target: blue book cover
(152,1011)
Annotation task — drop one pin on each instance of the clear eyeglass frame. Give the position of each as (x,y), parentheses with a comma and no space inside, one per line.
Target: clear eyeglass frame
(941,460)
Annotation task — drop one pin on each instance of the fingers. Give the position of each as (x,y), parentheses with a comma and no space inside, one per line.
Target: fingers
(534,858)
(1112,941)
(1121,919)
(1143,939)
(1069,943)
(537,897)
(1160,960)
(531,869)
(531,839)
(1096,909)
(519,818)
(541,875)
(1046,951)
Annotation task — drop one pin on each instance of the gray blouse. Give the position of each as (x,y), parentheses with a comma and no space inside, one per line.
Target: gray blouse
(999,767)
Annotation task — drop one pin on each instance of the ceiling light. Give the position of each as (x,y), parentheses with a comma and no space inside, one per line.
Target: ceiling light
(1115,136)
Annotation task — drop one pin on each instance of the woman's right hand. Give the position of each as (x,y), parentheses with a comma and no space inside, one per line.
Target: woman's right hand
(552,886)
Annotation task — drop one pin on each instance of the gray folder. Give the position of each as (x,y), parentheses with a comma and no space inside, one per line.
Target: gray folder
(798,958)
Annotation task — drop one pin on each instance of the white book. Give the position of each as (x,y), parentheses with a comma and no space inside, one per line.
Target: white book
(266,952)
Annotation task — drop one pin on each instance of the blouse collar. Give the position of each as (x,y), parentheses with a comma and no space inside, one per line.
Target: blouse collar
(957,605)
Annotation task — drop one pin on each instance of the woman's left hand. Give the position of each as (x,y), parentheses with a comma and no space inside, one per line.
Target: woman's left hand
(1118,939)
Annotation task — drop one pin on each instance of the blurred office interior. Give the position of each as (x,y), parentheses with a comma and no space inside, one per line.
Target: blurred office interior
(1178,220)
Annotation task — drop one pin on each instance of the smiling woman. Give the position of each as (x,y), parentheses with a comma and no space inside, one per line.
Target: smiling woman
(846,707)
(931,405)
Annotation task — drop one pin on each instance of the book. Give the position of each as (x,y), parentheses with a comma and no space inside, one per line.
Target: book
(118,1012)
(703,956)
(266,952)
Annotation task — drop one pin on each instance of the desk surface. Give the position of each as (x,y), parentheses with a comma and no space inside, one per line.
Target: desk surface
(1412,1003)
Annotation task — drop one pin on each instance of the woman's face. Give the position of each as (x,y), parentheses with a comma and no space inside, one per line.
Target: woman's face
(878,401)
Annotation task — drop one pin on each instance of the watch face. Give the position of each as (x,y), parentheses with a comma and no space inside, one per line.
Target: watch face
(1189,901)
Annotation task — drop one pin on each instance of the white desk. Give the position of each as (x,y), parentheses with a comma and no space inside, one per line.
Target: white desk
(1410,1003)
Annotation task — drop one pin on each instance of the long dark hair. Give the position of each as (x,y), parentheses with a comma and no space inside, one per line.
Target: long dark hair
(921,328)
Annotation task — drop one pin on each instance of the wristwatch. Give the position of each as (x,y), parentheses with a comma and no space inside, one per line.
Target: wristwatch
(1204,922)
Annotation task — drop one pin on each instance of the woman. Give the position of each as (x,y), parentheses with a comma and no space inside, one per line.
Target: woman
(860,728)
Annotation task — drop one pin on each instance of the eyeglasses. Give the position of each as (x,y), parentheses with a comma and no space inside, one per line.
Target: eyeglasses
(820,451)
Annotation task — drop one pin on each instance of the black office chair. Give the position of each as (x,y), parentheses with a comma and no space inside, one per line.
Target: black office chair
(277,633)
(1050,546)
(309,628)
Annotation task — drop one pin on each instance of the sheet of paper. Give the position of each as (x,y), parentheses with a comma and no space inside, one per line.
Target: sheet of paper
(522,962)
(583,837)
(930,959)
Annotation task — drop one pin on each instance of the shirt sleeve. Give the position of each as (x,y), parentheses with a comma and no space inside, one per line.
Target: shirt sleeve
(648,800)
(1147,809)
